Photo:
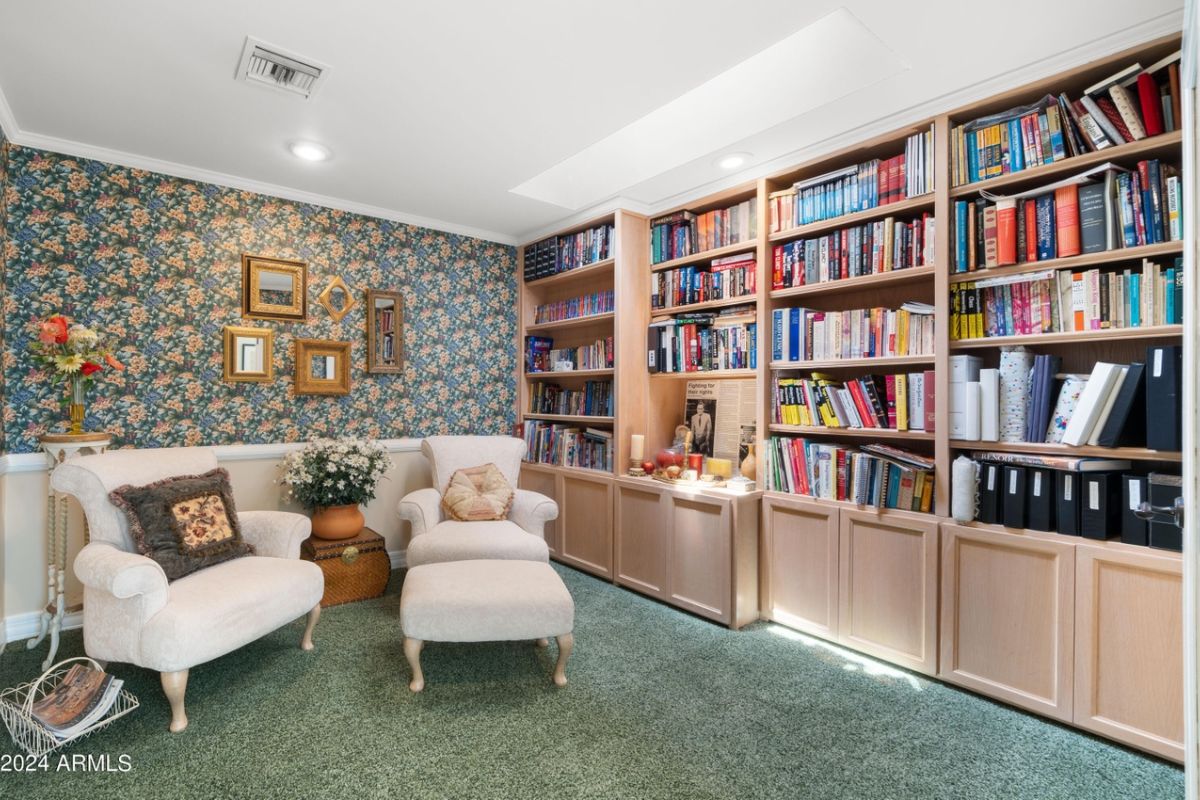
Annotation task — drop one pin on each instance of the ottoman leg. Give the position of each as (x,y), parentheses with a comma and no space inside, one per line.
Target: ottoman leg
(412,651)
(541,642)
(565,643)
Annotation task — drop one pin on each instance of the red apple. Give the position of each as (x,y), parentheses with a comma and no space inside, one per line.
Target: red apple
(648,466)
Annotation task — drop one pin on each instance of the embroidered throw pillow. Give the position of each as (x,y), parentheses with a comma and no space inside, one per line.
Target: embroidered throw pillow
(185,523)
(478,493)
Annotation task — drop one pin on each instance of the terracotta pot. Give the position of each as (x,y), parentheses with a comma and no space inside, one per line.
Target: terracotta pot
(337,522)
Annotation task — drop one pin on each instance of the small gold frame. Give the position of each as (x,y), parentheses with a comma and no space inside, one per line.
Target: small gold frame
(325,298)
(232,373)
(339,380)
(385,334)
(252,304)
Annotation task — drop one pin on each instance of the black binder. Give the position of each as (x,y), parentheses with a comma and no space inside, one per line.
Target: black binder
(1066,501)
(1164,397)
(1164,533)
(1126,424)
(989,493)
(1013,504)
(1039,499)
(1134,529)
(1100,505)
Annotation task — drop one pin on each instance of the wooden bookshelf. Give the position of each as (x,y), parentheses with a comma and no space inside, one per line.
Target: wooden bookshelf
(591,419)
(859,433)
(707,305)
(568,374)
(1151,251)
(901,210)
(1072,337)
(701,375)
(890,278)
(881,364)
(1068,451)
(590,272)
(574,322)
(708,255)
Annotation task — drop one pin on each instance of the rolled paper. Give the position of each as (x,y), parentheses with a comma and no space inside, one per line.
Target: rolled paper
(637,447)
(720,467)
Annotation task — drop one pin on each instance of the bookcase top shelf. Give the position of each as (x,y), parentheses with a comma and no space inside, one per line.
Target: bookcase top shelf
(879,279)
(1083,451)
(705,375)
(745,300)
(598,269)
(570,373)
(569,418)
(575,322)
(856,363)
(1071,337)
(749,247)
(1074,262)
(864,433)
(903,208)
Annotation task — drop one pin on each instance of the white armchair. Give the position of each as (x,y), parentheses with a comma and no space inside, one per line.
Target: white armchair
(436,539)
(131,614)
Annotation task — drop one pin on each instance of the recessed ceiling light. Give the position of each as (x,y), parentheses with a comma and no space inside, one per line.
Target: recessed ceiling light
(732,160)
(310,151)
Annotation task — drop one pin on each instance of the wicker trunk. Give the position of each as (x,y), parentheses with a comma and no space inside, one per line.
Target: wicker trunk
(355,569)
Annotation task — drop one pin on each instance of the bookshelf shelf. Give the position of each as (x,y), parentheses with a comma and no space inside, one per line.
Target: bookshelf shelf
(882,513)
(912,205)
(891,278)
(1085,451)
(704,374)
(741,247)
(744,300)
(1073,262)
(856,363)
(601,420)
(599,268)
(864,433)
(1166,144)
(557,469)
(576,322)
(574,373)
(1072,337)
(1113,544)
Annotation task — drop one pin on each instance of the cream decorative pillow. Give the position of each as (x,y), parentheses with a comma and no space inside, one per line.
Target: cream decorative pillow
(478,493)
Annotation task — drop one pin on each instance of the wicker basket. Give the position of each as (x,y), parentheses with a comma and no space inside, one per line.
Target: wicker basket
(29,734)
(355,569)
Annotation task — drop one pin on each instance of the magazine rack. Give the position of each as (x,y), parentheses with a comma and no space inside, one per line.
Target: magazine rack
(27,733)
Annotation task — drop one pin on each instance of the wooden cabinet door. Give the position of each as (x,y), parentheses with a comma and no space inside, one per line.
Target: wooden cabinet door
(642,540)
(700,573)
(546,483)
(585,522)
(1008,617)
(1129,646)
(801,539)
(887,564)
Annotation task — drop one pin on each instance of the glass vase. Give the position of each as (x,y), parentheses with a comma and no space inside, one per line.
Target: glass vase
(75,402)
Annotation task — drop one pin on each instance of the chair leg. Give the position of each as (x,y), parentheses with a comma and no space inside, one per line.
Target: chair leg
(566,643)
(541,643)
(412,651)
(174,686)
(307,643)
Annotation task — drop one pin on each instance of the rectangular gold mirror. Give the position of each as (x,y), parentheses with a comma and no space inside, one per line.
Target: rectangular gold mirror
(385,332)
(248,354)
(274,288)
(322,367)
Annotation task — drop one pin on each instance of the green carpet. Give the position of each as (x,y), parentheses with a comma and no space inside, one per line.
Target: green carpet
(660,705)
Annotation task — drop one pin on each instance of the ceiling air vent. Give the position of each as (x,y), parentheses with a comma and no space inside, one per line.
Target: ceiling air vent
(267,65)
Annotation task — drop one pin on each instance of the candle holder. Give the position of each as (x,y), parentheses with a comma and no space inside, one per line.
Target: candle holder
(635,468)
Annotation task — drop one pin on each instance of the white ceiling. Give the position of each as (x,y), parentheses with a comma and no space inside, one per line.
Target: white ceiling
(435,112)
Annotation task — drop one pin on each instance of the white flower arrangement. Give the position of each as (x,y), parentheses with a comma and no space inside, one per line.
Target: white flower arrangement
(334,472)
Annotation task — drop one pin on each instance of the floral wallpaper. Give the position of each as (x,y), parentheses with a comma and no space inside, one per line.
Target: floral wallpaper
(155,263)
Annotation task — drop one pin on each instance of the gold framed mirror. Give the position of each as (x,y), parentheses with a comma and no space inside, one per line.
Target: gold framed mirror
(385,332)
(322,367)
(274,288)
(337,298)
(249,354)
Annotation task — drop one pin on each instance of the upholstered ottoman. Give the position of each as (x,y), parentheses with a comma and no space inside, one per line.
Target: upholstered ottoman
(485,601)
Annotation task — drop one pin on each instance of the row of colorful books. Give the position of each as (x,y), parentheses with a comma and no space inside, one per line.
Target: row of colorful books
(567,446)
(704,342)
(877,476)
(1105,208)
(731,276)
(1131,105)
(898,402)
(856,188)
(542,356)
(869,249)
(685,233)
(586,305)
(805,334)
(567,252)
(1065,301)
(594,399)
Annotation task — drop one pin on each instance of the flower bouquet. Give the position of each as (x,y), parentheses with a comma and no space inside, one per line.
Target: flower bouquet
(333,477)
(73,354)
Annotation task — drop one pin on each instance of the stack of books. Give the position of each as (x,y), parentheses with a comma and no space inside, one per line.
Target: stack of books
(898,402)
(570,251)
(567,446)
(874,475)
(593,400)
(684,233)
(731,276)
(704,342)
(880,246)
(805,334)
(575,307)
(542,356)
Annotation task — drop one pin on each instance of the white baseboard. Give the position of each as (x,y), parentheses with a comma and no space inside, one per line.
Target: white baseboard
(19,627)
(399,558)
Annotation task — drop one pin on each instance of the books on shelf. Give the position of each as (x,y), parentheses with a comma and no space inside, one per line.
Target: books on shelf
(704,342)
(567,252)
(575,307)
(1065,301)
(567,446)
(805,334)
(542,356)
(685,233)
(898,402)
(856,188)
(873,475)
(81,699)
(1104,208)
(1128,106)
(869,249)
(594,399)
(728,277)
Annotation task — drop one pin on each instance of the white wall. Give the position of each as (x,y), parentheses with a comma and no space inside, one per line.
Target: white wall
(252,472)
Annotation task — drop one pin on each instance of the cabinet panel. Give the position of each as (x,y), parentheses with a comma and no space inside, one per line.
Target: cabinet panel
(802,547)
(544,483)
(1129,647)
(642,541)
(1008,617)
(887,565)
(700,576)
(586,516)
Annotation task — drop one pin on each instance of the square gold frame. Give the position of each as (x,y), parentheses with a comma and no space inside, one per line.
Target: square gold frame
(304,381)
(325,299)
(251,307)
(397,332)
(231,374)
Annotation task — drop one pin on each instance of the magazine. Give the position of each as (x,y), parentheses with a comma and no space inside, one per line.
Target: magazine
(82,698)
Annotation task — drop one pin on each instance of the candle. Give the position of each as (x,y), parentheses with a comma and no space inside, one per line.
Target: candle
(637,446)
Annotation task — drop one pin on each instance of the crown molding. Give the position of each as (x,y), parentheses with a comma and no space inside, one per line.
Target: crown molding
(603,208)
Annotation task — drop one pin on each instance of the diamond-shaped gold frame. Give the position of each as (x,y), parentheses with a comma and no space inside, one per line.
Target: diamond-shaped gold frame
(325,299)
